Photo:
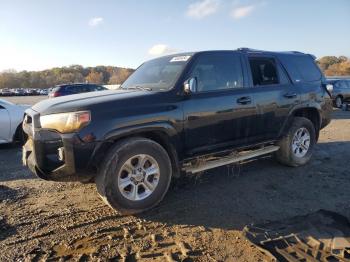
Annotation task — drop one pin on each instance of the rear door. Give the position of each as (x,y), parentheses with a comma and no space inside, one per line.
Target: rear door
(5,124)
(218,113)
(273,93)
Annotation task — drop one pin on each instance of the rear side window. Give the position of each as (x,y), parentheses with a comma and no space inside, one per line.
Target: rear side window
(76,89)
(307,68)
(345,84)
(301,68)
(91,88)
(264,71)
(218,71)
(72,89)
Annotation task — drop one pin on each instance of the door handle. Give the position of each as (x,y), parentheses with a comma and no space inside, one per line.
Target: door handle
(244,100)
(290,95)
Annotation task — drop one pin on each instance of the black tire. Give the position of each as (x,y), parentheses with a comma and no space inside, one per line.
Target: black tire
(19,137)
(285,154)
(107,179)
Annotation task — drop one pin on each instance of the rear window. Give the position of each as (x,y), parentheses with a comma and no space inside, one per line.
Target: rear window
(301,67)
(58,88)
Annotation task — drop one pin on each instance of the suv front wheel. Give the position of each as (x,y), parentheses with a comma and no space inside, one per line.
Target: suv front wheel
(135,175)
(297,146)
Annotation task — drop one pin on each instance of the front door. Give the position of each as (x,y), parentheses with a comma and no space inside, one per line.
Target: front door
(217,113)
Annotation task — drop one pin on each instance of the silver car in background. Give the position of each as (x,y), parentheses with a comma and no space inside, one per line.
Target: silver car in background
(11,117)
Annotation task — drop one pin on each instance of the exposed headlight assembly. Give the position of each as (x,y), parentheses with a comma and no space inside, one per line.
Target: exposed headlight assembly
(66,122)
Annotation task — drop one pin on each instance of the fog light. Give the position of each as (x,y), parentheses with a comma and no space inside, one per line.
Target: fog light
(60,153)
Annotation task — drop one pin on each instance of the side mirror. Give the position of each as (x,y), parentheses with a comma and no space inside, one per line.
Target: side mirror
(190,85)
(329,87)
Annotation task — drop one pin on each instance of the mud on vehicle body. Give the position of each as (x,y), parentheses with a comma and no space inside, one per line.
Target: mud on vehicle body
(220,106)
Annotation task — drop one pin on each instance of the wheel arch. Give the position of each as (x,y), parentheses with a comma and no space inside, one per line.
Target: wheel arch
(163,136)
(311,113)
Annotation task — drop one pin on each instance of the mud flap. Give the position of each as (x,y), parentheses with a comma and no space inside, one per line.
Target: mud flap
(320,236)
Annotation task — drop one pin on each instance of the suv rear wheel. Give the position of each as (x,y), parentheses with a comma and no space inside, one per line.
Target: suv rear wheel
(135,175)
(338,101)
(297,146)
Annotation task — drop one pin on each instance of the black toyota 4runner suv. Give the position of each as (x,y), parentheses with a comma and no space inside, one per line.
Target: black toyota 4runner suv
(180,114)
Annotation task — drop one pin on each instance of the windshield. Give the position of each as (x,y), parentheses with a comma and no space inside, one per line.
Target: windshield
(157,74)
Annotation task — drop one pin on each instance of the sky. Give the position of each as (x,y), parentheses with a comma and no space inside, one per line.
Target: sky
(41,34)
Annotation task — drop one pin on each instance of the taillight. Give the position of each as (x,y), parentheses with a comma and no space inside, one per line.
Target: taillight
(56,94)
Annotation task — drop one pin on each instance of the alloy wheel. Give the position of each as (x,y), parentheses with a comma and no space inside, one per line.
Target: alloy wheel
(138,177)
(301,142)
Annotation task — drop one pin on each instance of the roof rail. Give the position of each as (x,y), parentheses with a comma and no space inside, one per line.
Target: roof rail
(249,49)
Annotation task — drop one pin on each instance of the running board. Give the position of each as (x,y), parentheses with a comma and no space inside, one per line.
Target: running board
(230,159)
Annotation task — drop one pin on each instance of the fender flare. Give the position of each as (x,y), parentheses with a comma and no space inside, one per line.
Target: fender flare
(289,120)
(149,127)
(173,140)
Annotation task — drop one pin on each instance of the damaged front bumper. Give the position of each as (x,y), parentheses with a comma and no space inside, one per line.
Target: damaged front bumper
(54,156)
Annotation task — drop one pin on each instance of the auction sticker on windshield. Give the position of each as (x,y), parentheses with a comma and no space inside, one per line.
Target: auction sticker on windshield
(183,58)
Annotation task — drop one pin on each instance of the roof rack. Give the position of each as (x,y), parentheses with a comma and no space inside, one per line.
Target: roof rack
(249,49)
(246,49)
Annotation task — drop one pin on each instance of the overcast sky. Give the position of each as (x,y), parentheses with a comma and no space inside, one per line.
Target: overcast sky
(40,34)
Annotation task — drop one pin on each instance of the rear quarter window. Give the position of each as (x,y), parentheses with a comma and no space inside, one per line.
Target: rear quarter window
(337,84)
(301,68)
(58,88)
(345,84)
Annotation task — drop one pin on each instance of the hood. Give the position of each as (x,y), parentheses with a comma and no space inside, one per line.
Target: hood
(84,101)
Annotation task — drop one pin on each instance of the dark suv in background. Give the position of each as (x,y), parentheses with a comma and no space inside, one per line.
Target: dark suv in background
(71,89)
(178,114)
(341,91)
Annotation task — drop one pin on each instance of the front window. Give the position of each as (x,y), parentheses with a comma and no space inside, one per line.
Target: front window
(158,74)
(218,71)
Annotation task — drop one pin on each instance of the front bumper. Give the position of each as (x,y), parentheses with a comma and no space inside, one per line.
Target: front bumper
(54,156)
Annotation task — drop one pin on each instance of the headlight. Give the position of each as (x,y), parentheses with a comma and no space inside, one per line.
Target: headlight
(66,122)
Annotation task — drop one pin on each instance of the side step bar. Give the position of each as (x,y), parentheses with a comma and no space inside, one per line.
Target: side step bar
(230,159)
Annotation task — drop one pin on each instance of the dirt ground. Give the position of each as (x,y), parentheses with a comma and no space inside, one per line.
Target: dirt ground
(200,219)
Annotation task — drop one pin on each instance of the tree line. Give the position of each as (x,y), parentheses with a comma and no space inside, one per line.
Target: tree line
(330,65)
(62,75)
(335,66)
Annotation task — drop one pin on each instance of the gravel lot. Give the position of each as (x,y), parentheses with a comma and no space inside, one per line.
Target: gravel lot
(200,219)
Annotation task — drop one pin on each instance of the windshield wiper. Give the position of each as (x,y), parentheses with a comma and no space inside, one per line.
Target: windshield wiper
(140,88)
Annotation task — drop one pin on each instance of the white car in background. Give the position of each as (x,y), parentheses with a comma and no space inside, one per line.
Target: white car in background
(11,117)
